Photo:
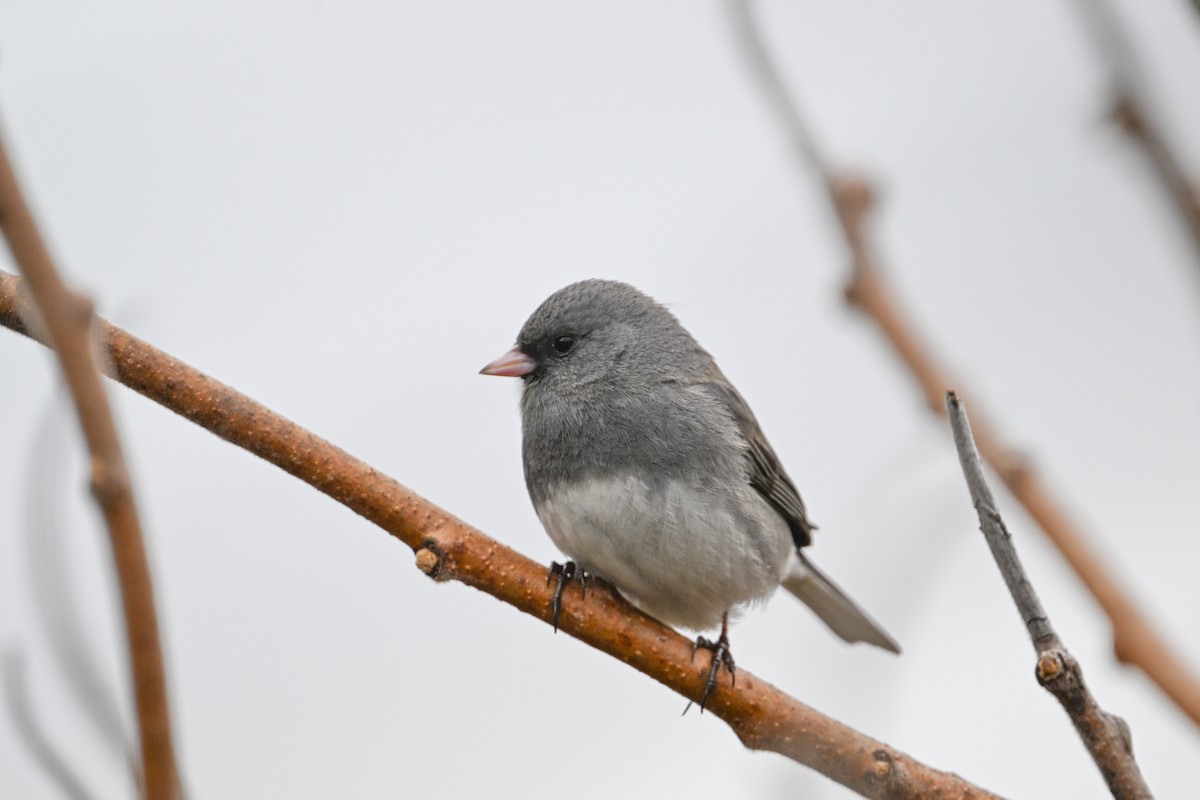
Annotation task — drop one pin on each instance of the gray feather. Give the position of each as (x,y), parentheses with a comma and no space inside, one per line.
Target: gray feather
(835,609)
(766,471)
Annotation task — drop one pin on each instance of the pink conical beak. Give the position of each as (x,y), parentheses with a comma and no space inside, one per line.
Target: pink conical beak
(512,364)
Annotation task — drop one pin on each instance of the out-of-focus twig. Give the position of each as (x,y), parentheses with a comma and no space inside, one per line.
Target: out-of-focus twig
(1134,640)
(1106,736)
(762,717)
(55,594)
(1131,108)
(30,732)
(68,320)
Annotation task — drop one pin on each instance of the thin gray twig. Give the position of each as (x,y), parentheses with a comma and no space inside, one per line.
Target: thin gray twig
(999,540)
(1105,735)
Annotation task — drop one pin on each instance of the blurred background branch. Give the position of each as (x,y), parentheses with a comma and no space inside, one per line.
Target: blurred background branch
(20,707)
(762,717)
(1132,109)
(1106,736)
(56,598)
(68,321)
(1135,641)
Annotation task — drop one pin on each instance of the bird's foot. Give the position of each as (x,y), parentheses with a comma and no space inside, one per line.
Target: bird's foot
(721,657)
(564,573)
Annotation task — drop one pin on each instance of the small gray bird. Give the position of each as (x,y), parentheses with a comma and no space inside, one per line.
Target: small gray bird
(648,469)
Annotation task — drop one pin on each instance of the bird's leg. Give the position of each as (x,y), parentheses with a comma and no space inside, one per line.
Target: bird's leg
(563,572)
(721,656)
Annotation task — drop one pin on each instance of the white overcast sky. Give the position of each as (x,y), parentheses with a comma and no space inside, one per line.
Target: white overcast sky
(345,209)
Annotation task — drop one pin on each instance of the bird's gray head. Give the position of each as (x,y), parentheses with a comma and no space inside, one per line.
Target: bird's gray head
(598,330)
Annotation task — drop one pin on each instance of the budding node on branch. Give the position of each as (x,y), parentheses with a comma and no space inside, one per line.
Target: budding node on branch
(1049,667)
(428,561)
(881,770)
(1126,114)
(107,482)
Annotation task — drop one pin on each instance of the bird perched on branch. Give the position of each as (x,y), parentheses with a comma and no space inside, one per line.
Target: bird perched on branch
(648,469)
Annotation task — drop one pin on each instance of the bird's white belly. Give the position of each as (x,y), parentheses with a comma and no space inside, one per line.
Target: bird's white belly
(681,554)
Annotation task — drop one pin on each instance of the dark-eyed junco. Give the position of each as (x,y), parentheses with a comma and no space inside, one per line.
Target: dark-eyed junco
(648,469)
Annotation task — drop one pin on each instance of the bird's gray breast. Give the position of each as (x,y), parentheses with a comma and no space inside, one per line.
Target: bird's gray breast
(664,431)
(650,491)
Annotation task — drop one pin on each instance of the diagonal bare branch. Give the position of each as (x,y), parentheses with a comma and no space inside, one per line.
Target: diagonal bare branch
(1135,641)
(1132,110)
(1106,736)
(446,548)
(68,320)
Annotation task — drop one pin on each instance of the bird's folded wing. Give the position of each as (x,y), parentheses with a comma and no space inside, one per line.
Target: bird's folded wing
(766,472)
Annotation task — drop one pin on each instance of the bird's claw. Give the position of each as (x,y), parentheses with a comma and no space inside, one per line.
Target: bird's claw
(721,657)
(563,573)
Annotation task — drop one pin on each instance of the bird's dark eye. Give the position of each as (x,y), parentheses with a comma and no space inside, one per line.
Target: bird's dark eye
(564,344)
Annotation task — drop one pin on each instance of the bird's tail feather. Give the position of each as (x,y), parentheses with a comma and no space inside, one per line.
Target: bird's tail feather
(834,608)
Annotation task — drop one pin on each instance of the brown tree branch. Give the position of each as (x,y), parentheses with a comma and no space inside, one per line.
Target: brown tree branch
(1131,110)
(1106,736)
(761,716)
(1134,640)
(68,320)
